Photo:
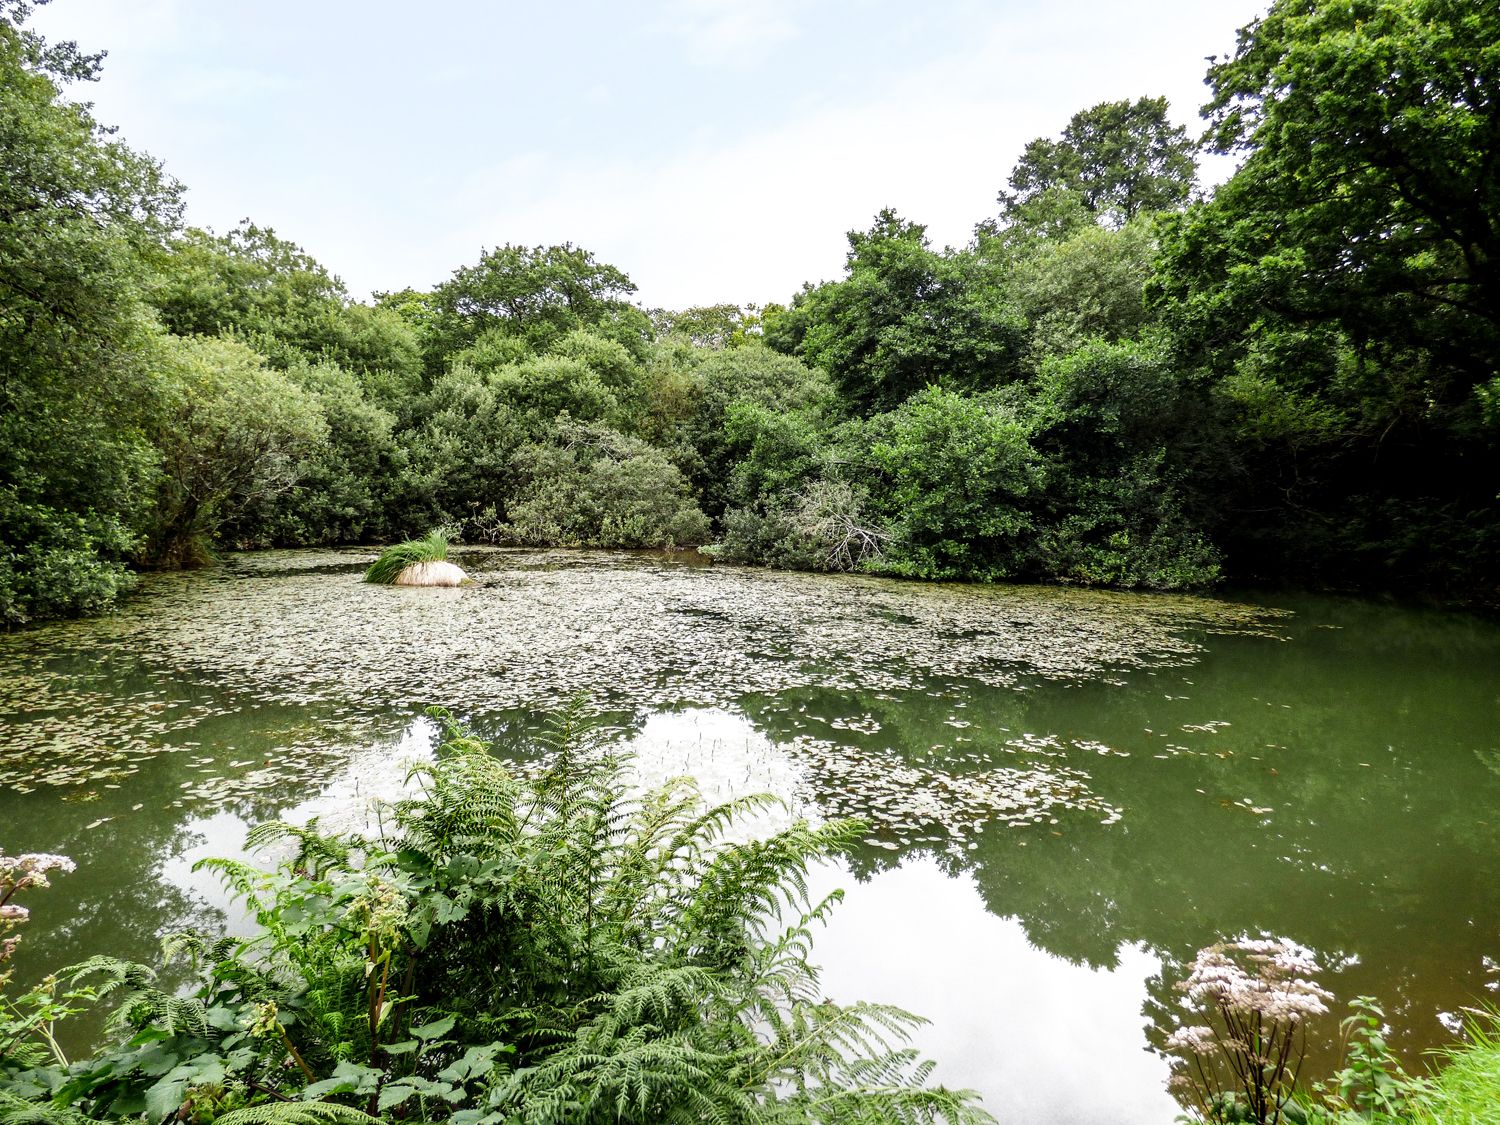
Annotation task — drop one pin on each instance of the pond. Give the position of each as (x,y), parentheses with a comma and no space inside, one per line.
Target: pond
(1067,792)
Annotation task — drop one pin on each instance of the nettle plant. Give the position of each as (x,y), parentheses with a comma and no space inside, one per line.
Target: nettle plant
(1253,998)
(544,947)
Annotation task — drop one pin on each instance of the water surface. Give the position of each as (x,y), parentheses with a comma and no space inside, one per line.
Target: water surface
(1068,792)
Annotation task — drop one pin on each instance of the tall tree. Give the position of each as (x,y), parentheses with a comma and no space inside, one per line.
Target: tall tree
(256,285)
(905,316)
(1117,159)
(1345,283)
(534,295)
(78,210)
(1370,191)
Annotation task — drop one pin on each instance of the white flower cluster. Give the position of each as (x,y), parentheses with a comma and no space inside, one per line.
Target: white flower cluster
(17,874)
(1252,996)
(1197,1039)
(30,870)
(1266,977)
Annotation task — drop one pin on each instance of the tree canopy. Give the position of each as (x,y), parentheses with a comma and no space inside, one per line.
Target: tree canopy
(1117,160)
(1291,378)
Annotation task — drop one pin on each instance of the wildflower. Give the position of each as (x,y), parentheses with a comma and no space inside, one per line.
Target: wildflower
(45,861)
(381,911)
(1253,996)
(1196,1038)
(30,870)
(17,874)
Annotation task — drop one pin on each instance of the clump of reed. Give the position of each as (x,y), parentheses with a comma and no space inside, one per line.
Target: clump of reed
(433,547)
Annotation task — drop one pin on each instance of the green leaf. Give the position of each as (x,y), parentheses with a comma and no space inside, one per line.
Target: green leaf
(435,1030)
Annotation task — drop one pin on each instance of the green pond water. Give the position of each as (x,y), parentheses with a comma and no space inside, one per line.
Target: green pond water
(1068,792)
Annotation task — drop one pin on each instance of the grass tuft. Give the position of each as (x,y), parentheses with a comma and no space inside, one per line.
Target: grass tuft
(397,557)
(1467,1089)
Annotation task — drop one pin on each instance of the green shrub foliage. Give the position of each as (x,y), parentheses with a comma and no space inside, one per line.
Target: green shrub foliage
(589,486)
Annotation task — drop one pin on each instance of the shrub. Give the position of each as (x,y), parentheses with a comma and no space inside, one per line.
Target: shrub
(822,528)
(953,480)
(1125,436)
(348,489)
(59,562)
(589,486)
(729,383)
(232,433)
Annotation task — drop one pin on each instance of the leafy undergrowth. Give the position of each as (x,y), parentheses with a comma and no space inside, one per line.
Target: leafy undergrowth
(542,948)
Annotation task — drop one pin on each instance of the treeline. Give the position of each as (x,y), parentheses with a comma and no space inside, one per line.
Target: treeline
(1119,380)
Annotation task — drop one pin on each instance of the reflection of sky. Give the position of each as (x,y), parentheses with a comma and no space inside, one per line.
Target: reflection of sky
(1008,1019)
(1043,1040)
(727,758)
(348,803)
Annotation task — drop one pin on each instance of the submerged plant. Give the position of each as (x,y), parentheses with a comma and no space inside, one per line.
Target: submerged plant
(550,946)
(1242,1061)
(433,547)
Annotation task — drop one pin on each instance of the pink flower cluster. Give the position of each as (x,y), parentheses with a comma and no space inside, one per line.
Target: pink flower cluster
(1266,977)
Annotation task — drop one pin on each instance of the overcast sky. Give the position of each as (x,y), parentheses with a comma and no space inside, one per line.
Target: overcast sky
(716,150)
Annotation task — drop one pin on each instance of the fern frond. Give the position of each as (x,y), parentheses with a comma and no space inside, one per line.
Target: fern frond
(297,1113)
(20,1111)
(141,1003)
(199,947)
(314,853)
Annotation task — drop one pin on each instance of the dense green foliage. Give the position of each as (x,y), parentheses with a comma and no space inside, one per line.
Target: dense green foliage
(1341,289)
(1115,381)
(549,946)
(1116,161)
(77,211)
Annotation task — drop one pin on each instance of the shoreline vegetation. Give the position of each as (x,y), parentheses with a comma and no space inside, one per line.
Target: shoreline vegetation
(1120,380)
(528,947)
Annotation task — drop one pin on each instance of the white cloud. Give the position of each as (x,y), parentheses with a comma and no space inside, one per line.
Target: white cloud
(752,218)
(696,203)
(729,32)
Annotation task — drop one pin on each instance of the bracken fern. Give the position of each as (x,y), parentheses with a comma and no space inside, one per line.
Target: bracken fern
(538,946)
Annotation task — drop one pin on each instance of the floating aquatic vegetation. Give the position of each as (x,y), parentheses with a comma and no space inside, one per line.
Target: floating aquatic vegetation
(281,650)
